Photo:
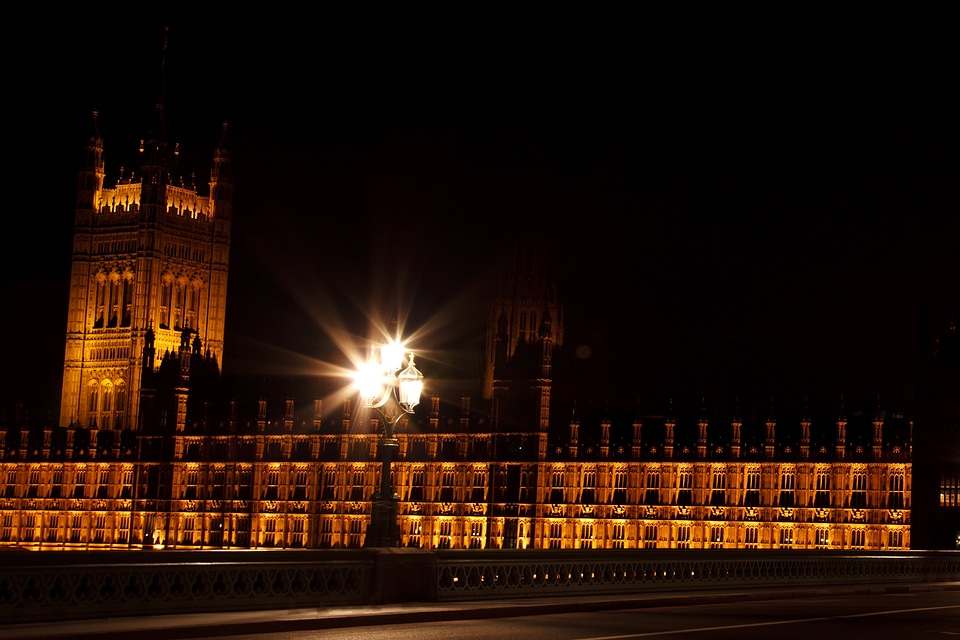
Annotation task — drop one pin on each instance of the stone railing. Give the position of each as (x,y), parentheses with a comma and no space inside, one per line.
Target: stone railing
(471,575)
(76,585)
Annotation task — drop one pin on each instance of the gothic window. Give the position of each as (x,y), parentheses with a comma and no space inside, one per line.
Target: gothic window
(300,484)
(476,534)
(272,489)
(94,398)
(326,533)
(556,535)
(127,297)
(786,537)
(895,497)
(620,485)
(417,485)
(166,302)
(179,292)
(586,535)
(717,536)
(79,483)
(751,536)
(822,539)
(650,533)
(126,483)
(100,302)
(685,487)
(588,493)
(192,294)
(76,527)
(446,486)
(787,480)
(11,490)
(895,539)
(618,535)
(103,483)
(752,496)
(683,536)
(858,495)
(270,532)
(120,403)
(53,526)
(33,490)
(718,492)
(949,488)
(242,531)
(245,484)
(556,487)
(113,301)
(56,488)
(99,528)
(822,496)
(329,489)
(356,489)
(479,485)
(858,539)
(191,490)
(107,404)
(297,528)
(218,486)
(446,540)
(652,496)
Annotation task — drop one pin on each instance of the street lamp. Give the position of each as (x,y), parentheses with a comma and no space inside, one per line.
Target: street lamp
(379,381)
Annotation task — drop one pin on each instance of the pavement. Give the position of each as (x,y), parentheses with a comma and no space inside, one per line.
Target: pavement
(252,623)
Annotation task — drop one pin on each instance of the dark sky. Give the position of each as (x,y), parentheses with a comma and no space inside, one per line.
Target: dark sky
(739,203)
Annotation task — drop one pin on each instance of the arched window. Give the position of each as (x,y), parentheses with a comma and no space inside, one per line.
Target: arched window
(113,304)
(166,302)
(127,299)
(100,301)
(120,402)
(94,398)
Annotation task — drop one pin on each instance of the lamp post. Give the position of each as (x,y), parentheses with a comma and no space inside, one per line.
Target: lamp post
(381,383)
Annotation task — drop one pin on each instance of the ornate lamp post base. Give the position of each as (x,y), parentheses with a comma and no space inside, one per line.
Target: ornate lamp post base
(383,530)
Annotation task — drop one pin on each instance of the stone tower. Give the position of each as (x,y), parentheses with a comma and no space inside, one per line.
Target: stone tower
(524,332)
(149,254)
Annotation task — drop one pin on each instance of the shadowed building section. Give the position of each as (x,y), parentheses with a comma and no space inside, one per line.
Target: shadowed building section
(936,486)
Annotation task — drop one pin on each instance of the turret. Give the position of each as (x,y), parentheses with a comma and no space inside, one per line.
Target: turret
(574,442)
(637,442)
(770,441)
(91,172)
(702,430)
(668,435)
(841,444)
(805,432)
(605,436)
(221,181)
(736,425)
(878,433)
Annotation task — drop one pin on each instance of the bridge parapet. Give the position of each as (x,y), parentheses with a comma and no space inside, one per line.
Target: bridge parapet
(470,575)
(73,585)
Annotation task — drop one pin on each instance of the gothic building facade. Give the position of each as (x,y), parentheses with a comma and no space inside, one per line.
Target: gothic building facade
(149,255)
(155,449)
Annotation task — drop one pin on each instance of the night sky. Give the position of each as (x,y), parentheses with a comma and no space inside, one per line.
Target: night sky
(738,204)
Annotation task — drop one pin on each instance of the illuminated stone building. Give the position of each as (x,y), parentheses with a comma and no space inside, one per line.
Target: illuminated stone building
(149,254)
(184,459)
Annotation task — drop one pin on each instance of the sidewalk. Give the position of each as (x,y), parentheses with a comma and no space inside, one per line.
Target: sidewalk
(205,625)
